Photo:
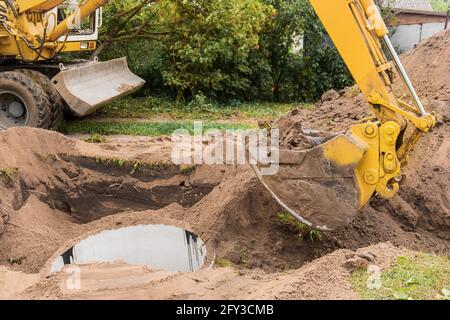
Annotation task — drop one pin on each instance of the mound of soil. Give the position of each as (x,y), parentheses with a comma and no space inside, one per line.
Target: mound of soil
(324,278)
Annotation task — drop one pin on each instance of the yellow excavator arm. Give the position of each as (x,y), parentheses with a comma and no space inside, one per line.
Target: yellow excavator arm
(327,186)
(359,33)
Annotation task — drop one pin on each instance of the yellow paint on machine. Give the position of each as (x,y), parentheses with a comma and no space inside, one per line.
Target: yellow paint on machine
(343,151)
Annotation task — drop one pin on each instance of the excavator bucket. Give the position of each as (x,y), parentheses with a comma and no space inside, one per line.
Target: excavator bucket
(318,186)
(89,86)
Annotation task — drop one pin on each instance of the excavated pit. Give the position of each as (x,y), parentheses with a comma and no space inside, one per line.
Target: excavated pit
(62,187)
(90,189)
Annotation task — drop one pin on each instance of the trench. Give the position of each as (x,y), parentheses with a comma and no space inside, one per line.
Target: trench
(90,189)
(42,212)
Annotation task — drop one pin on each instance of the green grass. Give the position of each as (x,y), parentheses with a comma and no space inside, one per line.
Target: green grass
(96,138)
(142,128)
(223,263)
(151,107)
(9,173)
(303,230)
(419,277)
(154,116)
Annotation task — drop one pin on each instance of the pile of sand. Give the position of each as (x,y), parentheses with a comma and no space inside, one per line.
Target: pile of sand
(324,278)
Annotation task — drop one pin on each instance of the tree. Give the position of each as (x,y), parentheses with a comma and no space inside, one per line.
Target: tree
(294,75)
(225,49)
(440,5)
(210,42)
(127,20)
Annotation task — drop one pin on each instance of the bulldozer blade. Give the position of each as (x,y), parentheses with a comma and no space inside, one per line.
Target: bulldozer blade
(87,87)
(318,186)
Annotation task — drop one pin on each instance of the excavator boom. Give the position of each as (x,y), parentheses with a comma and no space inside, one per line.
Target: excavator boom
(327,186)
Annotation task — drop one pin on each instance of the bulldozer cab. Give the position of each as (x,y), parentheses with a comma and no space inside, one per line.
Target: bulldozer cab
(85,30)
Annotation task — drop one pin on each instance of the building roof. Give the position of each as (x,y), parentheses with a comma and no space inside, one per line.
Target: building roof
(421,5)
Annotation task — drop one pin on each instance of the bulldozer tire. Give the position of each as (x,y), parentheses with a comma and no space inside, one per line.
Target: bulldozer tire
(55,99)
(23,102)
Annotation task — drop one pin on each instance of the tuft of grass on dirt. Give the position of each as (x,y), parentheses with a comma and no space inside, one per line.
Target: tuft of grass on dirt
(105,128)
(187,169)
(223,263)
(302,229)
(417,277)
(243,257)
(199,109)
(9,173)
(96,138)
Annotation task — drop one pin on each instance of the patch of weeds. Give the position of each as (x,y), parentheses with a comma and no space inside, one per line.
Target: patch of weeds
(117,162)
(96,138)
(187,169)
(353,92)
(10,173)
(243,258)
(133,166)
(136,167)
(302,229)
(224,263)
(417,277)
(155,165)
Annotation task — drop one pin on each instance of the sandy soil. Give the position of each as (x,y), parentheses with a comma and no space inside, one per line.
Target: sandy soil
(324,278)
(56,190)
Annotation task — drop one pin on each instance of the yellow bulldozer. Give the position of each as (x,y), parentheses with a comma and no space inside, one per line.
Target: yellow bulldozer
(35,88)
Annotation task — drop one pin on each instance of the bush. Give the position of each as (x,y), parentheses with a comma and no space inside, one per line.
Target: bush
(229,50)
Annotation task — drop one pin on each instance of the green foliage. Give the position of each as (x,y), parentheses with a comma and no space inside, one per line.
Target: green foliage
(283,71)
(419,277)
(302,229)
(9,173)
(223,263)
(210,42)
(440,5)
(226,50)
(96,138)
(187,169)
(243,257)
